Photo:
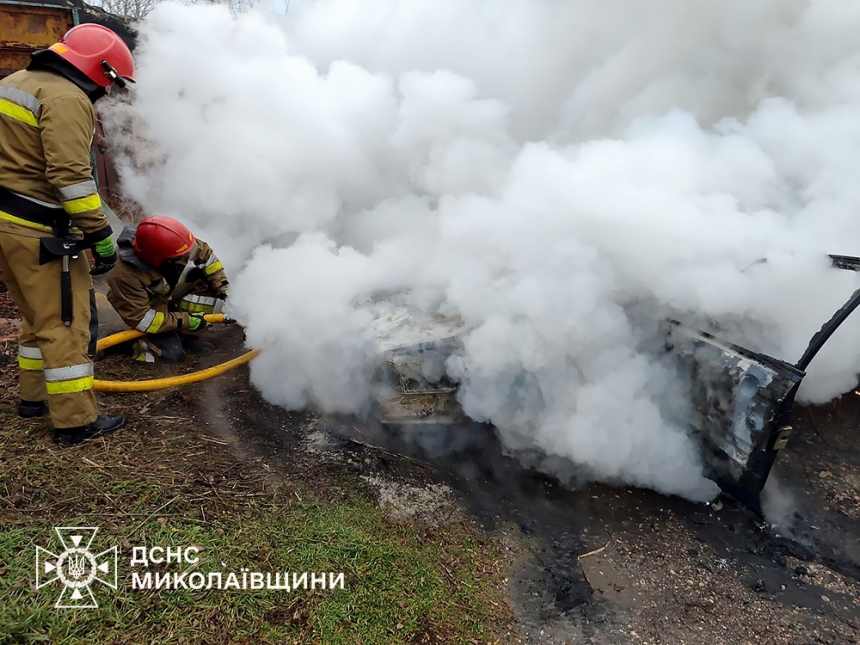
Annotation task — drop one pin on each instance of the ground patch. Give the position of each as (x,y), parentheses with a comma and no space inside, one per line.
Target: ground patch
(173,479)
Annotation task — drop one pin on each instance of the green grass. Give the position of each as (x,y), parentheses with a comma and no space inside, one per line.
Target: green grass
(404,583)
(394,584)
(164,482)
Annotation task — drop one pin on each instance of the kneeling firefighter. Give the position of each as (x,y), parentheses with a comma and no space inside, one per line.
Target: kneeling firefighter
(165,282)
(50,214)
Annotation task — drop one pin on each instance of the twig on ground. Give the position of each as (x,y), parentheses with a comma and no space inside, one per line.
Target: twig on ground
(393,454)
(166,504)
(580,558)
(111,500)
(211,440)
(90,462)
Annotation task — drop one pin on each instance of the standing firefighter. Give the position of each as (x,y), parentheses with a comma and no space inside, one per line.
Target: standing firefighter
(165,282)
(50,213)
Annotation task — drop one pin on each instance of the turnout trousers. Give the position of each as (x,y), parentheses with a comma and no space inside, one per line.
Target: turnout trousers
(54,360)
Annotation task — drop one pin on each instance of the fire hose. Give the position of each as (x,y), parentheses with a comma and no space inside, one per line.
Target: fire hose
(171,381)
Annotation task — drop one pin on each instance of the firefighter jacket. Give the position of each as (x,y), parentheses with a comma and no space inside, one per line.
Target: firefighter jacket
(46,174)
(145,298)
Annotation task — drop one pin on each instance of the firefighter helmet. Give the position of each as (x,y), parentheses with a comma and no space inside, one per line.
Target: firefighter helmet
(98,53)
(161,238)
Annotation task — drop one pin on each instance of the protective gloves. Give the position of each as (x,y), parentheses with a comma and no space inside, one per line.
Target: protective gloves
(196,322)
(104,254)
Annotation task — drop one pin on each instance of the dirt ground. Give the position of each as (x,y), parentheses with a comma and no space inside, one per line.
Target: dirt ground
(608,565)
(589,565)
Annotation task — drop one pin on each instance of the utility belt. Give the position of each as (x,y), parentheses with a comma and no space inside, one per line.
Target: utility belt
(22,208)
(59,247)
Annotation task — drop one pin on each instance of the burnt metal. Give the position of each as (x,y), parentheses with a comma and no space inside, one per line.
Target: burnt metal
(847,263)
(824,334)
(414,386)
(740,407)
(740,401)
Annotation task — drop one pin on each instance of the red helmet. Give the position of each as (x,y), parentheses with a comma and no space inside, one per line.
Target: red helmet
(97,52)
(161,238)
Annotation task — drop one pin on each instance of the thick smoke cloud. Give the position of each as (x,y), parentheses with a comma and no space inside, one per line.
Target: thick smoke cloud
(560,175)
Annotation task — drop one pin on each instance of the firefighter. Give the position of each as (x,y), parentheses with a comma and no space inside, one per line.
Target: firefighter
(50,214)
(164,283)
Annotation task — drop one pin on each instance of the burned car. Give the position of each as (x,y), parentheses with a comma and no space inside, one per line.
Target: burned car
(413,384)
(740,400)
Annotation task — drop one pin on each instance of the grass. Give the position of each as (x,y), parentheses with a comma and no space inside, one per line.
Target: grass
(395,582)
(164,483)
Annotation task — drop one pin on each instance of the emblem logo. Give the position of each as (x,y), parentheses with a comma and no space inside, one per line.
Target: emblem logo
(76,567)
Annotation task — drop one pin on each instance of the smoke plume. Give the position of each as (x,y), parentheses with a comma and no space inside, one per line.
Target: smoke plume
(557,175)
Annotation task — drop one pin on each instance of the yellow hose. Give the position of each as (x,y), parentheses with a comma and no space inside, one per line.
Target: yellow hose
(172,381)
(116,339)
(131,334)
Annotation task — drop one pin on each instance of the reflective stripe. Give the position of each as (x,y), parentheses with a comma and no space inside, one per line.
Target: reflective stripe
(212,265)
(215,267)
(200,300)
(70,387)
(198,304)
(19,105)
(23,222)
(18,113)
(156,324)
(146,321)
(68,373)
(82,205)
(22,98)
(67,380)
(189,266)
(29,352)
(37,201)
(30,364)
(152,322)
(76,191)
(196,309)
(145,356)
(161,288)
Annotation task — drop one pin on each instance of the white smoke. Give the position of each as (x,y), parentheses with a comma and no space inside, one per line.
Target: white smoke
(549,171)
(779,505)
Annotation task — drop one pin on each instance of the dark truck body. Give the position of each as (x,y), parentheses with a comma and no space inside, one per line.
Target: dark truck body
(740,401)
